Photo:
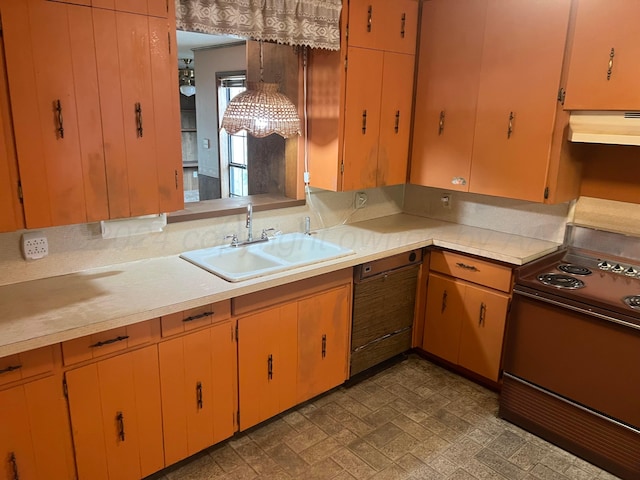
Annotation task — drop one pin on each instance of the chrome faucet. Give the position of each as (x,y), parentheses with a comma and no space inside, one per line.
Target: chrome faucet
(250,222)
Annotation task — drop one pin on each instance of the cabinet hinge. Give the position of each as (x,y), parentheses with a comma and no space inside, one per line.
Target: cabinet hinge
(561,94)
(65,389)
(169,41)
(238,418)
(236,332)
(20,196)
(546,193)
(342,167)
(346,62)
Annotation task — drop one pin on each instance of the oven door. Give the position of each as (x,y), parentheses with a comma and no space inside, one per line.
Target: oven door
(584,355)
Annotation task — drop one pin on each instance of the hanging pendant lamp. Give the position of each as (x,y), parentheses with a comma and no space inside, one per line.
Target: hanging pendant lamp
(261,110)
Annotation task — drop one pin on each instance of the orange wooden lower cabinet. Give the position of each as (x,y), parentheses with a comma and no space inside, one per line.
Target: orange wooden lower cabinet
(197,378)
(323,342)
(35,441)
(267,363)
(116,416)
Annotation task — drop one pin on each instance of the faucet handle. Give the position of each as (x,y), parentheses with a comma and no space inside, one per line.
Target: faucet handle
(266,231)
(234,239)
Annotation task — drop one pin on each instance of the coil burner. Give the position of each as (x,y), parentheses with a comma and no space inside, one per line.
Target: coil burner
(560,280)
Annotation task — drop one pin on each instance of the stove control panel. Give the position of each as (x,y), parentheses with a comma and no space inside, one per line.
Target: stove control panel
(628,270)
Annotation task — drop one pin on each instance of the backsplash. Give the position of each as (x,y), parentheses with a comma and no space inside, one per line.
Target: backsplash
(535,220)
(80,247)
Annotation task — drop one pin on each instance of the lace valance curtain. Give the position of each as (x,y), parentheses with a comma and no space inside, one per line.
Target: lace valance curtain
(314,23)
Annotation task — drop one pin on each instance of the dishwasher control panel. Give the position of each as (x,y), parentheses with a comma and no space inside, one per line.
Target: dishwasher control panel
(385,265)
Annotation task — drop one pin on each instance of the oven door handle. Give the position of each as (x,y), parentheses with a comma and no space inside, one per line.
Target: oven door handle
(517,291)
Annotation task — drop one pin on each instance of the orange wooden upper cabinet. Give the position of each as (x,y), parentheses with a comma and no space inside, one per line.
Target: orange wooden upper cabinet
(116,416)
(359,130)
(157,8)
(197,378)
(450,56)
(499,127)
(93,112)
(603,63)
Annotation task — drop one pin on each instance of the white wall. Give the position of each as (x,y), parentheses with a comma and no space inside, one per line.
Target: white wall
(207,63)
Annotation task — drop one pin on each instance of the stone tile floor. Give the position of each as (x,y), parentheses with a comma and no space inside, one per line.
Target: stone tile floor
(412,421)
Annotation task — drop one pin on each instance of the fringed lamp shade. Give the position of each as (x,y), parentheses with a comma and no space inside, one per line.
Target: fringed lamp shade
(261,110)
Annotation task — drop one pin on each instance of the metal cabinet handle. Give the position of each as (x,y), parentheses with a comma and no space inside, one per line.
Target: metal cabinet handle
(473,268)
(270,367)
(138,119)
(510,129)
(10,368)
(58,109)
(120,421)
(396,127)
(324,346)
(364,122)
(199,395)
(610,69)
(441,123)
(196,317)
(14,466)
(403,22)
(483,311)
(111,340)
(444,302)
(369,18)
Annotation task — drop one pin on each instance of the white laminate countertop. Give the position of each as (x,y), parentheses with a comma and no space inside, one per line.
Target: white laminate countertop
(47,311)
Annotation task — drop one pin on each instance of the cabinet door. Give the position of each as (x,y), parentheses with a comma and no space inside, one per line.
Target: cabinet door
(383,25)
(267,363)
(520,76)
(10,209)
(395,118)
(116,416)
(323,342)
(483,331)
(449,62)
(362,118)
(604,67)
(443,317)
(36,439)
(126,97)
(196,377)
(52,78)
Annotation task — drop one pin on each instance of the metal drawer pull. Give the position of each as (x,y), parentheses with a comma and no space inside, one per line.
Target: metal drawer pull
(364,122)
(196,317)
(397,125)
(324,346)
(10,368)
(441,123)
(610,69)
(402,24)
(138,119)
(199,395)
(510,129)
(58,108)
(14,466)
(483,311)
(444,302)
(270,367)
(369,18)
(120,420)
(473,268)
(107,342)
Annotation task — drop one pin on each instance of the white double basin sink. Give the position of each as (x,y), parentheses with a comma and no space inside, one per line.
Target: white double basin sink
(279,253)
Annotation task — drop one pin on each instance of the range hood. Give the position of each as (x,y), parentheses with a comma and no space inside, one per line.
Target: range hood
(610,127)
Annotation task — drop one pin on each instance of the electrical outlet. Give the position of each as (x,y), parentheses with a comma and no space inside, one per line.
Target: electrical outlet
(360,199)
(445,200)
(34,245)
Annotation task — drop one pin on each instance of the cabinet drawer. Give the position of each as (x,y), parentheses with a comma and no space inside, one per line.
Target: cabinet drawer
(193,318)
(110,341)
(26,364)
(472,269)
